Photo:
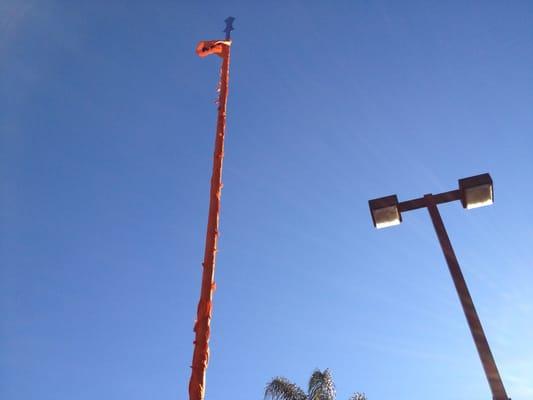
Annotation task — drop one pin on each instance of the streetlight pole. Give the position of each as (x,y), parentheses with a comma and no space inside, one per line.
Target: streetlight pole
(474,192)
(476,329)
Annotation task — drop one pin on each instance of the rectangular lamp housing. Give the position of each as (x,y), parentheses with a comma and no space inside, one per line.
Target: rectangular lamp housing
(385,211)
(476,191)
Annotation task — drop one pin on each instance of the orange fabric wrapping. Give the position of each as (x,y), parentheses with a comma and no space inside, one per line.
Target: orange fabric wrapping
(207,47)
(203,319)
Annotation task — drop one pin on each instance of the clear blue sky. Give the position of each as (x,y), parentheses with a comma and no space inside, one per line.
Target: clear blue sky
(107,122)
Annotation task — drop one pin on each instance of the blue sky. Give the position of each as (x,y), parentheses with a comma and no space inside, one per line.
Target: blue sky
(107,129)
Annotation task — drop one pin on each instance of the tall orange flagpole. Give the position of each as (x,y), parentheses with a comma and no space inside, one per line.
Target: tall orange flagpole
(203,319)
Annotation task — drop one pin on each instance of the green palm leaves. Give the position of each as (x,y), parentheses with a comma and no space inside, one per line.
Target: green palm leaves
(282,389)
(321,387)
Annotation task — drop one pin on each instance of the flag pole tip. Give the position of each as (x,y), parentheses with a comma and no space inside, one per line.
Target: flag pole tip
(229,27)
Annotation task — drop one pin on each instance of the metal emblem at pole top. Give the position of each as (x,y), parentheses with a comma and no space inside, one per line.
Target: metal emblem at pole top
(229,27)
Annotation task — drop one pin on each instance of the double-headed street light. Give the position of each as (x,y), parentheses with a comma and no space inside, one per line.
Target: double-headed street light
(473,192)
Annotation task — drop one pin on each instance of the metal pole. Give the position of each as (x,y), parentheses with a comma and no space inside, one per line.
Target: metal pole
(203,320)
(482,345)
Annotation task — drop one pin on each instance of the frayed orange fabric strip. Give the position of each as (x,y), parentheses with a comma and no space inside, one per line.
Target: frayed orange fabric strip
(207,47)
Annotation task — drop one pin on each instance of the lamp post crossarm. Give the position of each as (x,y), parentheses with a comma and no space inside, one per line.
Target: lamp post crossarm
(421,202)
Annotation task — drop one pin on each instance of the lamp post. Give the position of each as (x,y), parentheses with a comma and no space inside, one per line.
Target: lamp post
(473,192)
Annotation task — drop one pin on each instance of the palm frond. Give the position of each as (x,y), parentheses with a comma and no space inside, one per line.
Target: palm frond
(321,386)
(358,396)
(282,389)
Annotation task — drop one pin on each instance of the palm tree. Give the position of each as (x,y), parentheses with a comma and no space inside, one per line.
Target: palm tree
(321,387)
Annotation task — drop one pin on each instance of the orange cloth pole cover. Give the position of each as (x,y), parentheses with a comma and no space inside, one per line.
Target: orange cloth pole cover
(203,319)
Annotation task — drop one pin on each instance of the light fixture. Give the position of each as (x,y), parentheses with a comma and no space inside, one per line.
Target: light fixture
(385,211)
(476,191)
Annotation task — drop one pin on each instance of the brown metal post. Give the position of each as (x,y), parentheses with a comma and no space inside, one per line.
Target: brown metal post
(203,319)
(482,345)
